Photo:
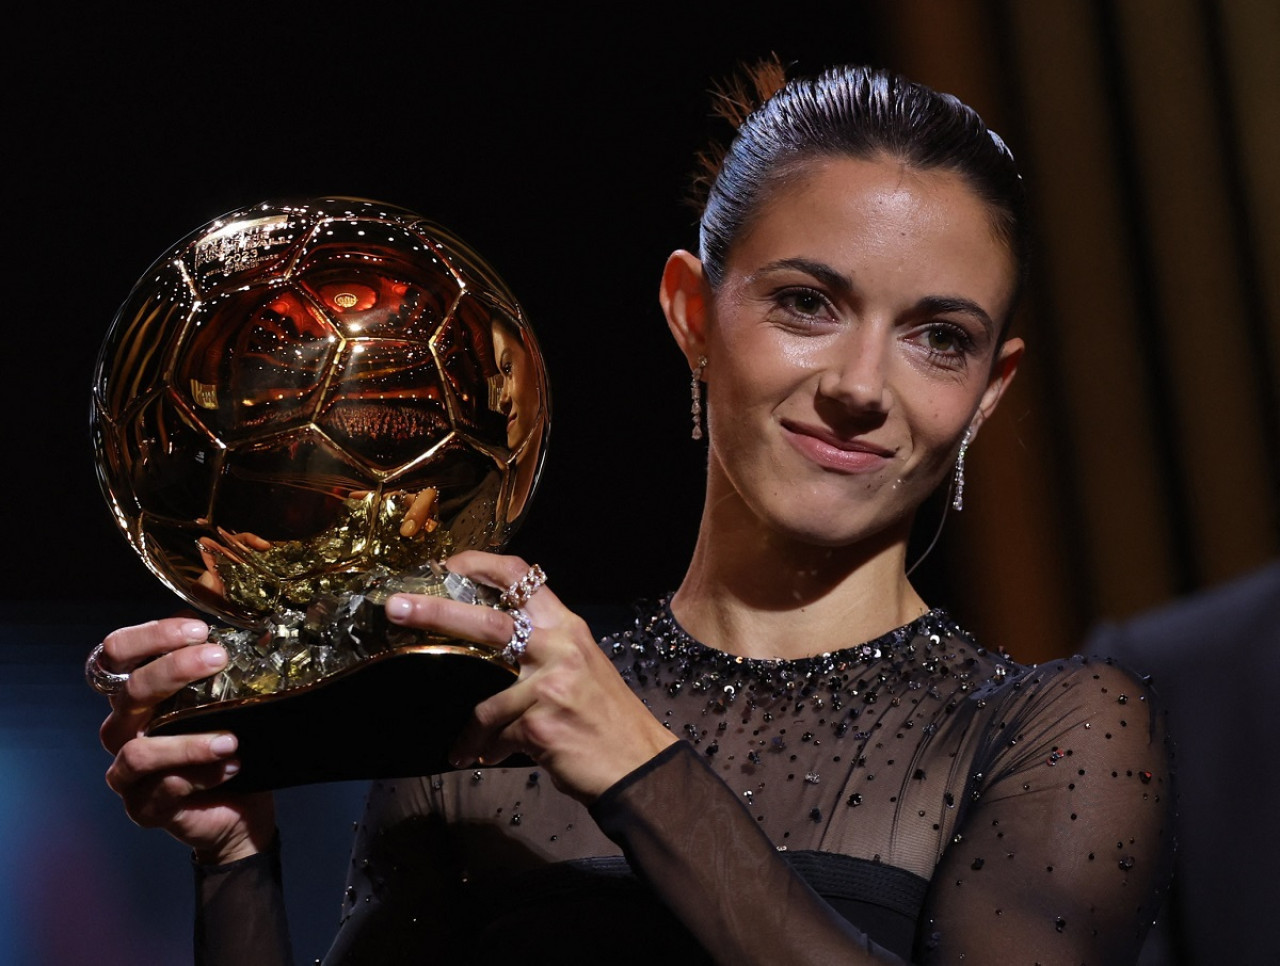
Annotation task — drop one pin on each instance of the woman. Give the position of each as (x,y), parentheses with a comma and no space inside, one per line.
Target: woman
(519,401)
(792,759)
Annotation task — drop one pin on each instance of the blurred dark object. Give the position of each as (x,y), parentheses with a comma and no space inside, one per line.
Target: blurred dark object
(1214,660)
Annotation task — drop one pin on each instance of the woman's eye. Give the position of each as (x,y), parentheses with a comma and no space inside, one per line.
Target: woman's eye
(942,339)
(803,301)
(947,342)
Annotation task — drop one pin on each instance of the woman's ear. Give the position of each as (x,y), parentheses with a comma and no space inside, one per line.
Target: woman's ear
(1003,370)
(686,302)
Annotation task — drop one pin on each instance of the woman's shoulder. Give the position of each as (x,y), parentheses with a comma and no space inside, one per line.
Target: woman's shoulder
(1102,679)
(1070,705)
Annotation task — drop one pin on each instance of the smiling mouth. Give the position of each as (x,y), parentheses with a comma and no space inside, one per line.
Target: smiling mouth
(835,452)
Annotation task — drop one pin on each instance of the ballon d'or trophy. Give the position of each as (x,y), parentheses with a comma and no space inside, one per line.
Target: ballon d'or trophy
(301,409)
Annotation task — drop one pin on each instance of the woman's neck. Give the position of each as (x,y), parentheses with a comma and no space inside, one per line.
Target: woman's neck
(757,593)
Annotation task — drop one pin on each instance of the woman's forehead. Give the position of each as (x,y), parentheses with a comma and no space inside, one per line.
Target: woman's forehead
(881,214)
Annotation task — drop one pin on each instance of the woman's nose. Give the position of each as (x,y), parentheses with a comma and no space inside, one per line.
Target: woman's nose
(855,374)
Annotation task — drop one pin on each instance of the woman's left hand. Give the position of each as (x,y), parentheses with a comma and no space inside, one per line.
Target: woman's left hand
(570,710)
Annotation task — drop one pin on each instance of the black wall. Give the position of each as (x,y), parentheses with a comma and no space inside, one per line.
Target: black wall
(559,146)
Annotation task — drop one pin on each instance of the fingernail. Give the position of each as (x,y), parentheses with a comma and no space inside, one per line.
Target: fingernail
(223,744)
(194,632)
(230,768)
(398,608)
(408,528)
(213,656)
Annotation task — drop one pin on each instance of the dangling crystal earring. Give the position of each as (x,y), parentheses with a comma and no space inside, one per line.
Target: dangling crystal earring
(695,389)
(957,495)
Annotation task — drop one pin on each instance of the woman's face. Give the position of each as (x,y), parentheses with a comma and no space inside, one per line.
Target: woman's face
(519,398)
(852,340)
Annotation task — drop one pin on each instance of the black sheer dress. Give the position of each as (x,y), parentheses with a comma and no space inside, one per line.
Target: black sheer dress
(913,799)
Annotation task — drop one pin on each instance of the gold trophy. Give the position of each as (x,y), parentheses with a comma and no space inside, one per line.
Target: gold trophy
(299,410)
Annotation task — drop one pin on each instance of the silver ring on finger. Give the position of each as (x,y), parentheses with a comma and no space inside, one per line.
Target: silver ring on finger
(519,636)
(518,594)
(99,678)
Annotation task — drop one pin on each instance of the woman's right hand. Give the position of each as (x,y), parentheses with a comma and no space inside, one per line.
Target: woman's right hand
(173,782)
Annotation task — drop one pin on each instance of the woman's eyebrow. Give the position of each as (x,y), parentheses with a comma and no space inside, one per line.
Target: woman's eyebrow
(939,304)
(819,271)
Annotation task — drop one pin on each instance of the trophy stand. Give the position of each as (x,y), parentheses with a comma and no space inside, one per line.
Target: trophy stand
(397,717)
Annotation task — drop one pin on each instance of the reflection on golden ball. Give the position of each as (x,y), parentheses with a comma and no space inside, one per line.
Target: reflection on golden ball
(301,393)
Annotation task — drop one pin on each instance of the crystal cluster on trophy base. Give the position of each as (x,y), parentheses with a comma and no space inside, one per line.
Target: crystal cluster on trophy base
(336,632)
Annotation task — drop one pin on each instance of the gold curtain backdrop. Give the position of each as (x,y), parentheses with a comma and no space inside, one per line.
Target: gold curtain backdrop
(1137,456)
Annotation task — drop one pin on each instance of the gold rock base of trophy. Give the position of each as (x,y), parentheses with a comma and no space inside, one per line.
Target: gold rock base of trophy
(394,715)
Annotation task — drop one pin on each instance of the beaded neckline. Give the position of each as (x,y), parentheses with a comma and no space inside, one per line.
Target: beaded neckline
(665,634)
(659,648)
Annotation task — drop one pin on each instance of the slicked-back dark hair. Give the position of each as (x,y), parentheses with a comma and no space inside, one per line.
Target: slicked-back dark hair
(849,112)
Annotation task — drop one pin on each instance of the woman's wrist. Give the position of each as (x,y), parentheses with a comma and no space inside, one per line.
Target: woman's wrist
(237,848)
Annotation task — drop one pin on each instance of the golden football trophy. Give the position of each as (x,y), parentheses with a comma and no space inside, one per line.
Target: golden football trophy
(299,410)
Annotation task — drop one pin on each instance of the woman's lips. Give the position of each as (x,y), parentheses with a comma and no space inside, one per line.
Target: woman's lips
(834,452)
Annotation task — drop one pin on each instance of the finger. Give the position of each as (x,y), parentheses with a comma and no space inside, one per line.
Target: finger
(253,541)
(143,759)
(156,801)
(126,648)
(500,749)
(488,736)
(495,569)
(210,580)
(450,618)
(151,683)
(502,571)
(420,513)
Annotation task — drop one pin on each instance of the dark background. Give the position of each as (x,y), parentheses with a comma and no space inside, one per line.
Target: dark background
(558,144)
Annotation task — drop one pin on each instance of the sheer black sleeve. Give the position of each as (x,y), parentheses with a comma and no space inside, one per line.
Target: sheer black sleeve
(686,834)
(240,913)
(1066,849)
